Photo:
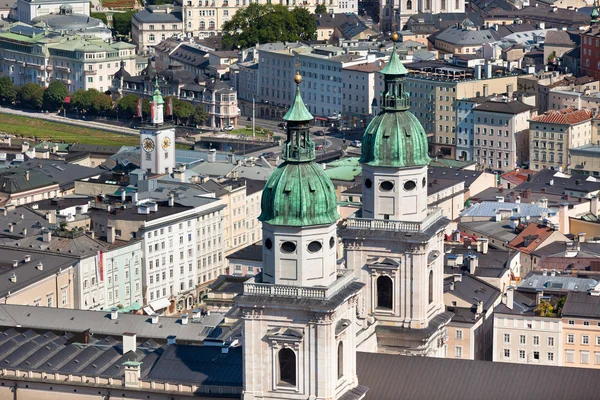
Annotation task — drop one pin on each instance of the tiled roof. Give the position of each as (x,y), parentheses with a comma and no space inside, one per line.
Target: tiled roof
(535,233)
(504,107)
(517,176)
(568,116)
(560,38)
(367,67)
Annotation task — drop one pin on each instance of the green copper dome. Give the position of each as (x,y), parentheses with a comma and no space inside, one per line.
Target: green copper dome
(395,137)
(299,193)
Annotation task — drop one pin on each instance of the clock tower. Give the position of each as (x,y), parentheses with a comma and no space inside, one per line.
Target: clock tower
(157,140)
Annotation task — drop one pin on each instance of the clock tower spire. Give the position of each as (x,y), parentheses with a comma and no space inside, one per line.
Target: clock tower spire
(157,139)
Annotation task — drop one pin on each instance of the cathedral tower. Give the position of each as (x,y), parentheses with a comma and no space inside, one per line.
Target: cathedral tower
(157,140)
(299,316)
(395,243)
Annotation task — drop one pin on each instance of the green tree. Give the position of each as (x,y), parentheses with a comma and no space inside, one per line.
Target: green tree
(200,115)
(127,106)
(122,22)
(8,91)
(84,99)
(560,303)
(321,9)
(183,110)
(100,16)
(54,96)
(102,104)
(30,95)
(265,23)
(545,309)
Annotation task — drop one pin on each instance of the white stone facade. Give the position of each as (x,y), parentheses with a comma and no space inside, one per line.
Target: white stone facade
(158,149)
(30,9)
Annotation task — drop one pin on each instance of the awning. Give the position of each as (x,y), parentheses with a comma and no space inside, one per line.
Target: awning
(320,119)
(160,304)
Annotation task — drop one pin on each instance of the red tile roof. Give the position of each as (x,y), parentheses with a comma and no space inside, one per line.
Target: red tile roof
(567,116)
(518,176)
(535,233)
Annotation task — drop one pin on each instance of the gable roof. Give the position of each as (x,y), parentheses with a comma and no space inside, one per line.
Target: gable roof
(535,234)
(580,304)
(567,116)
(464,37)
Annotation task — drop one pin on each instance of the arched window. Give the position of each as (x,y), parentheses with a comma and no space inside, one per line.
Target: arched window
(340,361)
(152,38)
(163,37)
(211,25)
(409,5)
(202,25)
(384,292)
(430,286)
(287,367)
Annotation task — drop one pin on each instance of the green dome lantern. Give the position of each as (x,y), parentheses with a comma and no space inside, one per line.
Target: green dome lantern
(299,193)
(395,137)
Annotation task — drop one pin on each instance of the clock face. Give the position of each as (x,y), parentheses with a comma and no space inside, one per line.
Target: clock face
(166,143)
(148,145)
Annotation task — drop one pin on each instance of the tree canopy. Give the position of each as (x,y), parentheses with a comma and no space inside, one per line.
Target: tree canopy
(102,103)
(127,105)
(8,91)
(30,95)
(321,9)
(122,22)
(84,99)
(55,95)
(266,23)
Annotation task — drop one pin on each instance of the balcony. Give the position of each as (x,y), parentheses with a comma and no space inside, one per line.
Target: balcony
(63,69)
(49,68)
(300,292)
(90,72)
(10,60)
(394,226)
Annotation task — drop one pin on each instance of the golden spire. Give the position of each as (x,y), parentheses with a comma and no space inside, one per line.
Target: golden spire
(298,78)
(394,37)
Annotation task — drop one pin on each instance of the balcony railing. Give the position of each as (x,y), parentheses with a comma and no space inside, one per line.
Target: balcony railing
(394,226)
(322,293)
(64,69)
(90,72)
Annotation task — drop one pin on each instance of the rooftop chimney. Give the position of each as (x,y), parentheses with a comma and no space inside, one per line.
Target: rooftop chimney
(46,236)
(479,307)
(114,313)
(13,278)
(457,278)
(40,266)
(485,242)
(26,175)
(15,263)
(196,313)
(129,342)
(184,319)
(110,234)
(538,295)
(171,199)
(155,318)
(510,297)
(27,258)
(51,217)
(172,339)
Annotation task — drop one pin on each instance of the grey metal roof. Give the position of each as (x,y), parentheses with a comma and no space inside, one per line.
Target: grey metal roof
(99,322)
(72,353)
(392,377)
(581,305)
(463,175)
(472,290)
(62,172)
(20,218)
(490,209)
(500,230)
(463,37)
(251,252)
(148,17)
(558,282)
(27,272)
(15,180)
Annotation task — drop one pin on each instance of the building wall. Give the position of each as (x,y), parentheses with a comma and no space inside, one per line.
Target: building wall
(358,92)
(590,57)
(547,330)
(503,153)
(55,291)
(147,35)
(26,11)
(460,341)
(549,143)
(451,200)
(581,342)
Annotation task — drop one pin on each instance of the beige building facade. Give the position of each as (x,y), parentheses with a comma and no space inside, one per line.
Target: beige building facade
(552,134)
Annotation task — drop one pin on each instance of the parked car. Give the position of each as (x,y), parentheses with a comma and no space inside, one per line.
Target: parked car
(282,125)
(356,143)
(319,147)
(268,155)
(228,128)
(319,133)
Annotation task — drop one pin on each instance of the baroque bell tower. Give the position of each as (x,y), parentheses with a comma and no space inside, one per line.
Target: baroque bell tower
(299,318)
(395,244)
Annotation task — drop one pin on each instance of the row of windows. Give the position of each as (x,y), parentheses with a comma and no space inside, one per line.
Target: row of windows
(534,356)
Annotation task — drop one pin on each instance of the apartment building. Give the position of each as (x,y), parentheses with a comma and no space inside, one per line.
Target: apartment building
(465,127)
(182,241)
(205,18)
(32,54)
(552,134)
(590,48)
(501,133)
(581,330)
(396,13)
(155,24)
(472,300)
(359,96)
(434,89)
(522,336)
